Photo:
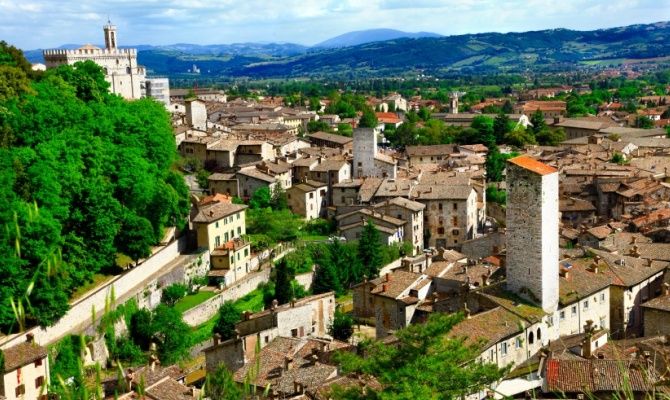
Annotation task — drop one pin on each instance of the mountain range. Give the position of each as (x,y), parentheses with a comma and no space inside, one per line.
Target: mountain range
(372,53)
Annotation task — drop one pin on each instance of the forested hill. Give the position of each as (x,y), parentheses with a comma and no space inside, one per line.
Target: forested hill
(548,50)
(84,177)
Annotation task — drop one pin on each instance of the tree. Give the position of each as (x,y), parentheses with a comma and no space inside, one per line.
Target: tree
(278,200)
(484,127)
(495,165)
(538,122)
(520,137)
(172,335)
(644,122)
(550,137)
(326,279)
(424,363)
(316,126)
(501,125)
(227,318)
(424,113)
(261,198)
(369,249)
(284,277)
(368,119)
(314,104)
(135,237)
(220,385)
(345,129)
(173,293)
(507,107)
(342,327)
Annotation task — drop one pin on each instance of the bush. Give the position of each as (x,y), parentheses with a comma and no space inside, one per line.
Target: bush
(319,226)
(495,195)
(227,318)
(173,293)
(127,351)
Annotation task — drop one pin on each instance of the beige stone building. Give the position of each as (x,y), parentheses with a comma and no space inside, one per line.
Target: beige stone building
(412,213)
(26,371)
(309,316)
(308,198)
(230,262)
(450,216)
(120,66)
(656,314)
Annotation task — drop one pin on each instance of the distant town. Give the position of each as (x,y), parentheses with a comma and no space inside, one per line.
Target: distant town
(455,239)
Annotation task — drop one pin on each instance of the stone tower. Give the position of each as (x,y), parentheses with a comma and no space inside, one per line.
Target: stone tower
(110,36)
(532,231)
(365,150)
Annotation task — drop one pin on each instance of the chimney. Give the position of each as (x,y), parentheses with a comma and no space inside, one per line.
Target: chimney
(587,351)
(384,287)
(274,305)
(634,251)
(485,279)
(649,262)
(666,289)
(288,363)
(298,388)
(633,239)
(30,338)
(217,339)
(388,277)
(246,315)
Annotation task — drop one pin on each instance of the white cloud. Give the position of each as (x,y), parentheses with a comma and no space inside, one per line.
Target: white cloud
(48,23)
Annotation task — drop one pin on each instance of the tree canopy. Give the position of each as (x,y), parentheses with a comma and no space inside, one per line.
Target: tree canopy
(84,175)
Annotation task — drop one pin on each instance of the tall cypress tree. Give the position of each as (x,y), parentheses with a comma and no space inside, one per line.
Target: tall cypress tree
(283,289)
(369,249)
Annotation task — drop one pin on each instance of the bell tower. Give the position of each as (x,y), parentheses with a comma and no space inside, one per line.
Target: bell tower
(110,36)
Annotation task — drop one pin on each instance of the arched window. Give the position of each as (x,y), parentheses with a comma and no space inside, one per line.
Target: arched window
(127,70)
(531,338)
(539,334)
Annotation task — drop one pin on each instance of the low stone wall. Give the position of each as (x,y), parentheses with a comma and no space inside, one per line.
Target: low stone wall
(121,286)
(497,212)
(305,280)
(390,266)
(204,311)
(484,246)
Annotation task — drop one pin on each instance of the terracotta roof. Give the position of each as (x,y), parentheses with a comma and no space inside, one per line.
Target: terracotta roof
(216,211)
(169,389)
(404,203)
(330,137)
(22,354)
(488,327)
(593,376)
(652,218)
(600,232)
(580,281)
(394,284)
(387,117)
(434,150)
(532,165)
(660,303)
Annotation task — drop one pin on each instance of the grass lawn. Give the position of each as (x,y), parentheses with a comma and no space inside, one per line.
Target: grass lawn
(252,302)
(313,238)
(192,300)
(98,279)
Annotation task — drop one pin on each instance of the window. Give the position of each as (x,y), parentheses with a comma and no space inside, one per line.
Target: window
(454,220)
(531,338)
(239,230)
(20,390)
(38,362)
(602,296)
(574,310)
(491,354)
(238,215)
(539,334)
(225,236)
(267,339)
(39,382)
(562,315)
(586,304)
(455,206)
(454,232)
(439,206)
(216,225)
(440,231)
(518,342)
(246,252)
(602,322)
(503,348)
(294,332)
(217,241)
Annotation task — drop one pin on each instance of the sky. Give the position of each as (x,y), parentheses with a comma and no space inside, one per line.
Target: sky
(32,24)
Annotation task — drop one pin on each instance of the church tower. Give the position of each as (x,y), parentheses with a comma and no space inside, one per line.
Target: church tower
(532,231)
(110,36)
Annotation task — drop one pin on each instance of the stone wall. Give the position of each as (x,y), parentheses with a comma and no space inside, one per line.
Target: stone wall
(204,311)
(656,322)
(122,286)
(305,280)
(497,212)
(484,246)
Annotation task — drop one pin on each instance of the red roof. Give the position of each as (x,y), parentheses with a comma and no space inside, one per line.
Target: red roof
(533,165)
(388,118)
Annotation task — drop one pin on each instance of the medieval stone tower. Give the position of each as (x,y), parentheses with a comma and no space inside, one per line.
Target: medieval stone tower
(532,231)
(110,35)
(365,150)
